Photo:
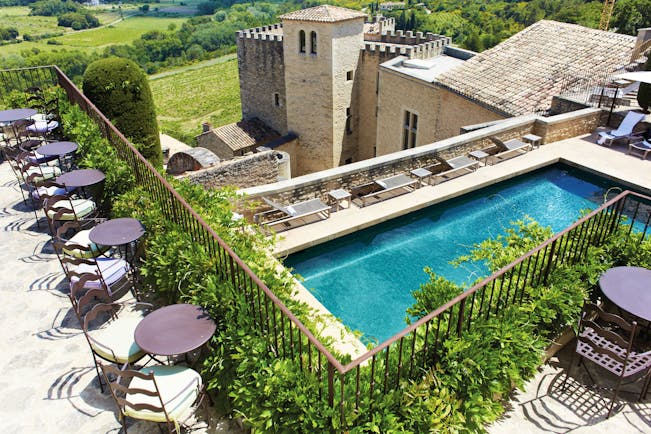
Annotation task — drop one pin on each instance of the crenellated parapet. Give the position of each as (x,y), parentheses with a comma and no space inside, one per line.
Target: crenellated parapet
(423,50)
(273,32)
(412,38)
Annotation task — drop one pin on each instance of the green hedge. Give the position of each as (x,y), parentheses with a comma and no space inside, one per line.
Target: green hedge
(461,391)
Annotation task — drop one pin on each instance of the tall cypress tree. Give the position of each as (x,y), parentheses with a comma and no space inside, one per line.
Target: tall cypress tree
(119,88)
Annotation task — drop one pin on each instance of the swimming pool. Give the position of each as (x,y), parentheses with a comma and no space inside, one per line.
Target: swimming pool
(366,278)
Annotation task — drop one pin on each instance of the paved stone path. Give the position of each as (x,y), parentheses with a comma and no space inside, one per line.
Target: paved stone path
(48,380)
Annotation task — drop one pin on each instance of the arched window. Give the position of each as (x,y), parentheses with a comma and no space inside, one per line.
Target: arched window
(313,42)
(301,41)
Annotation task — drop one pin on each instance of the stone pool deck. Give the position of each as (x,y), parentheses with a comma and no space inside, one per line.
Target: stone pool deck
(48,378)
(542,407)
(579,151)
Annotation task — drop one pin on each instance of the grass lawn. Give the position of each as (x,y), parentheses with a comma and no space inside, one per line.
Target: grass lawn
(120,33)
(18,17)
(194,95)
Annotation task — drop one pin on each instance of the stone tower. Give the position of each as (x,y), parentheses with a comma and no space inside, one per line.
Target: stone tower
(321,49)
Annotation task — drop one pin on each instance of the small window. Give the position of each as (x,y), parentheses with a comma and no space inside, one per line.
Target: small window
(349,75)
(277,99)
(349,128)
(313,42)
(410,128)
(301,41)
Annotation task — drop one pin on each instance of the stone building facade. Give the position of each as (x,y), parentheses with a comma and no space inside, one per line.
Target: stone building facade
(351,89)
(316,75)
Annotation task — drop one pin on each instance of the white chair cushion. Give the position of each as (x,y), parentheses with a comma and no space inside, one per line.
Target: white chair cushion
(82,239)
(117,341)
(46,172)
(47,191)
(112,269)
(170,380)
(35,157)
(41,127)
(81,207)
(39,117)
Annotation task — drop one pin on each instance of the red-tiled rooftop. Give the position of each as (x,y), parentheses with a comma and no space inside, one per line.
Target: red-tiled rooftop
(523,73)
(324,14)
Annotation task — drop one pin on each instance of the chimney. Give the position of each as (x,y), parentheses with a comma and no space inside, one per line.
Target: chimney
(205,127)
(642,44)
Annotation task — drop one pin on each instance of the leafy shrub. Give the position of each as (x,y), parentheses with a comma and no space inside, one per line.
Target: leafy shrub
(206,8)
(51,8)
(78,21)
(119,88)
(96,152)
(8,33)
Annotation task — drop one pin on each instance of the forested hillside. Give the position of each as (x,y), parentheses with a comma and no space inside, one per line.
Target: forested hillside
(472,24)
(481,24)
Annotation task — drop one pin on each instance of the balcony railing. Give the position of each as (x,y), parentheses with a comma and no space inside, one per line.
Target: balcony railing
(381,369)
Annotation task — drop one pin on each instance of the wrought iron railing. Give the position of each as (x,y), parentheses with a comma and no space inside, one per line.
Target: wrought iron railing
(401,357)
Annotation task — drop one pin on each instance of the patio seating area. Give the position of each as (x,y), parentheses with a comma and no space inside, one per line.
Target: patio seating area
(71,307)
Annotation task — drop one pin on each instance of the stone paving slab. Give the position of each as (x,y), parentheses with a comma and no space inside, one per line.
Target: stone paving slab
(49,384)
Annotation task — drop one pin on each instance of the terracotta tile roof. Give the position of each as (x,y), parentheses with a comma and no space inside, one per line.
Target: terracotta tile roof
(521,74)
(324,14)
(245,133)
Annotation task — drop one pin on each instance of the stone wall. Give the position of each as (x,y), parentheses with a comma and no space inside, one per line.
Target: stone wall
(262,74)
(318,184)
(455,111)
(564,105)
(398,94)
(243,172)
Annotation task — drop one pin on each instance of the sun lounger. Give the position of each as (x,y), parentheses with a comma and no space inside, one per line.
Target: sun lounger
(623,132)
(381,188)
(283,216)
(642,146)
(508,149)
(456,167)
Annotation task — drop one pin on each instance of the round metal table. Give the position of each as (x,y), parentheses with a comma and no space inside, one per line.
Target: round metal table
(16,114)
(175,329)
(81,178)
(629,288)
(117,232)
(58,149)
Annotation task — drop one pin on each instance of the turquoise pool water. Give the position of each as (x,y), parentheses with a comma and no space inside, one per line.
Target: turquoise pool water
(366,278)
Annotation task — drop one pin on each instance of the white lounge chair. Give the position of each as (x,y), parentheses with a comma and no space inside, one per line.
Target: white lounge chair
(624,131)
(379,189)
(291,213)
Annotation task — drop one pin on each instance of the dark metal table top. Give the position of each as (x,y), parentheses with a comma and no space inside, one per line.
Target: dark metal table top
(16,114)
(629,288)
(58,149)
(174,329)
(117,232)
(81,178)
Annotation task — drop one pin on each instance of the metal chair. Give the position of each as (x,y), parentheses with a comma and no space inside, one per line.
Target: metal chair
(112,275)
(107,326)
(159,393)
(598,340)
(64,208)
